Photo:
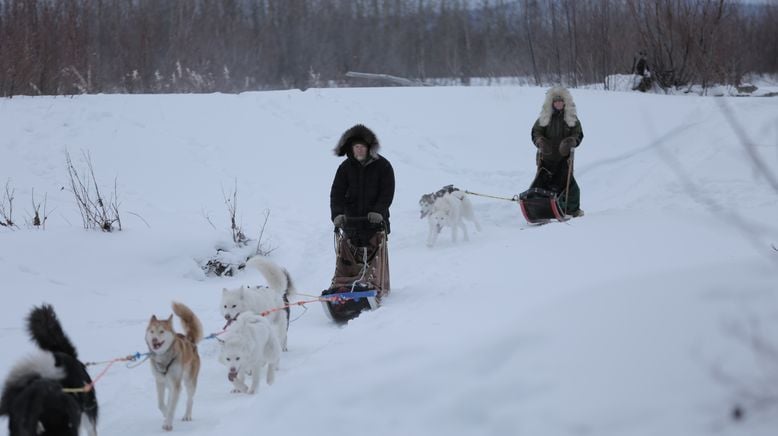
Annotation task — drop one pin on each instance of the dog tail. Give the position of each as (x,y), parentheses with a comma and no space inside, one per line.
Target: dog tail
(40,365)
(192,325)
(277,278)
(46,331)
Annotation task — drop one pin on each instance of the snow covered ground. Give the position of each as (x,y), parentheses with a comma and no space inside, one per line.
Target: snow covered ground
(637,319)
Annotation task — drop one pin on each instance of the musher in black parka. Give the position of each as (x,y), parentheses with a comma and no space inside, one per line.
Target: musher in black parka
(363,187)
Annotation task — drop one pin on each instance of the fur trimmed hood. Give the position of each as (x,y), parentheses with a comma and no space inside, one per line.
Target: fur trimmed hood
(361,133)
(571,115)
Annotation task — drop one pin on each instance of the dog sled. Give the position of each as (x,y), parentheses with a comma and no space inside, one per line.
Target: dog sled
(545,201)
(540,206)
(361,278)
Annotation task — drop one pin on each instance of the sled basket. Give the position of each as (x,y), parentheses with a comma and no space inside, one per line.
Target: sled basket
(540,206)
(343,304)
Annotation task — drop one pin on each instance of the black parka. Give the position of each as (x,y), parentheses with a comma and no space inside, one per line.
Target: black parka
(359,188)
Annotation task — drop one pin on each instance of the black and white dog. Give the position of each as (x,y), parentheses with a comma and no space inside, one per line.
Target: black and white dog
(448,207)
(427,201)
(33,396)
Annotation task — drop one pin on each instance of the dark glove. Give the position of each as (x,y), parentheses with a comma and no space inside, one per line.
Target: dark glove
(339,220)
(374,217)
(566,145)
(543,145)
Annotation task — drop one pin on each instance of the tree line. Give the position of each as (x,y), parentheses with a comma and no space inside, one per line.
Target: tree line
(52,47)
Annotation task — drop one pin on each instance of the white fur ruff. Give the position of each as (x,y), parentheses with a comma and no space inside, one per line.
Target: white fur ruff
(571,113)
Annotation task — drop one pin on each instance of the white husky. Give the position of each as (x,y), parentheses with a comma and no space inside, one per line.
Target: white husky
(250,344)
(261,299)
(450,210)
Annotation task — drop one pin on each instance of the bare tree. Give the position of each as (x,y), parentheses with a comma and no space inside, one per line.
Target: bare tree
(229,260)
(263,247)
(572,32)
(530,28)
(90,46)
(238,236)
(7,206)
(97,212)
(39,218)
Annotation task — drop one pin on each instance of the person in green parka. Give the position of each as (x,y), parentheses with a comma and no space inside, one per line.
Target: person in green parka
(556,132)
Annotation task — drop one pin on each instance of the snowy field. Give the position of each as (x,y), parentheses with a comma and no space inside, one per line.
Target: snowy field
(645,317)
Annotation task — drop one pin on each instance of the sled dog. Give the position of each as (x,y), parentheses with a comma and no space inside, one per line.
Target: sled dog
(174,359)
(428,200)
(260,299)
(250,344)
(450,210)
(33,396)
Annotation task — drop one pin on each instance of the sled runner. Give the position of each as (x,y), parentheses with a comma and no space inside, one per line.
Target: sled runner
(361,277)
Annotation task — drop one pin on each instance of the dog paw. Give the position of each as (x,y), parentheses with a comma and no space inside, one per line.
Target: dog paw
(167,427)
(186,418)
(251,392)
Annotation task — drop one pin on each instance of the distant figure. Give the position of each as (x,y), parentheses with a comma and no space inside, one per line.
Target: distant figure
(639,64)
(640,69)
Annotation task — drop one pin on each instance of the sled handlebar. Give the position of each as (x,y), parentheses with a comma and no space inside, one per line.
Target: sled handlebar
(354,222)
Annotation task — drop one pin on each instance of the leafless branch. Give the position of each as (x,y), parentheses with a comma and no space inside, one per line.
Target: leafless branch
(96,212)
(39,219)
(749,146)
(238,237)
(754,391)
(7,206)
(114,205)
(208,218)
(746,228)
(261,248)
(141,218)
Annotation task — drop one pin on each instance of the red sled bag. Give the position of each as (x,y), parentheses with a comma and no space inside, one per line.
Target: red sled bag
(540,206)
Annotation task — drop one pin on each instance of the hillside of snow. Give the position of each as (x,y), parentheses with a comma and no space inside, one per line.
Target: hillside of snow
(654,314)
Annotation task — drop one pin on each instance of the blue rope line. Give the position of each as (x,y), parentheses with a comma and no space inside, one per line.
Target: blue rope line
(356,295)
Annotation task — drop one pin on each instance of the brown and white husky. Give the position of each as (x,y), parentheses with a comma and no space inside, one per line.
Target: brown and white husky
(174,359)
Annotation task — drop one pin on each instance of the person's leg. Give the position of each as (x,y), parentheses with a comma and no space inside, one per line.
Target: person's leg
(574,197)
(346,266)
(570,200)
(379,264)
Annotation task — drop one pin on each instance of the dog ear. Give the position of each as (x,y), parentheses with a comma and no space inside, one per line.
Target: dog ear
(153,318)
(170,318)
